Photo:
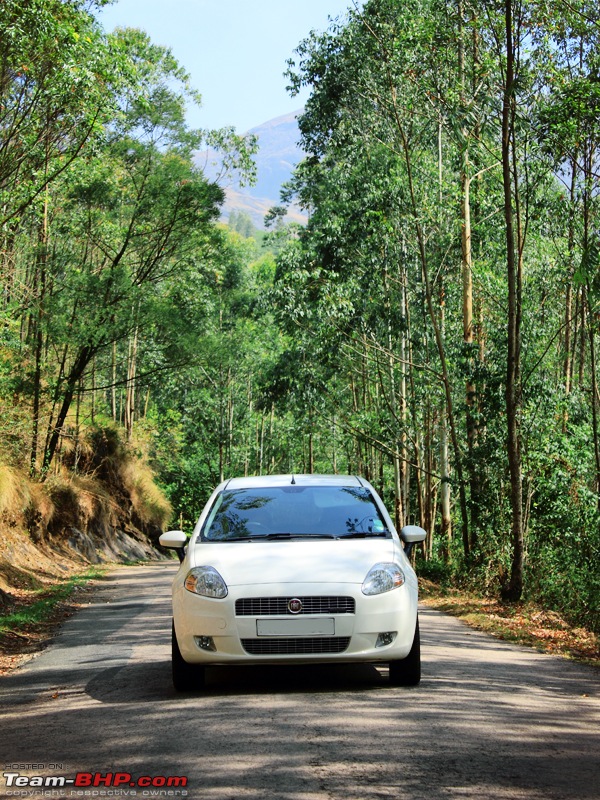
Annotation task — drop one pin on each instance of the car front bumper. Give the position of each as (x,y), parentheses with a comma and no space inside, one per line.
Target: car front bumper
(202,623)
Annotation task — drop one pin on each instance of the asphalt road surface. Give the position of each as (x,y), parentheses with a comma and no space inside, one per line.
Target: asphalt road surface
(489,720)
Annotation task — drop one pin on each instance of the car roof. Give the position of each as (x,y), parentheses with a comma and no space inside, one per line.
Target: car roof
(262,481)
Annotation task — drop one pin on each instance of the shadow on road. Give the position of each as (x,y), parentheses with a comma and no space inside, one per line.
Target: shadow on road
(151,682)
(490,721)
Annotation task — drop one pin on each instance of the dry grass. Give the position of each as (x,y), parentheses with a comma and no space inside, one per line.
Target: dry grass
(79,501)
(123,468)
(41,506)
(149,502)
(15,494)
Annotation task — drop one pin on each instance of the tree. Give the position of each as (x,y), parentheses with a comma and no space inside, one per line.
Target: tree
(56,74)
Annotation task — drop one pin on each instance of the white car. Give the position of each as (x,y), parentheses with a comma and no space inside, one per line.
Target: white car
(294,569)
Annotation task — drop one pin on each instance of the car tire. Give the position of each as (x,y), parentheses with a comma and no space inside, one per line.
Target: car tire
(407,671)
(186,677)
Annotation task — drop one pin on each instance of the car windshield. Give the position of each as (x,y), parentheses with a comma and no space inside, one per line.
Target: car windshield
(292,512)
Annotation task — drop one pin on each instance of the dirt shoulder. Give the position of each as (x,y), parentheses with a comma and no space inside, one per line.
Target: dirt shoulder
(523,623)
(32,615)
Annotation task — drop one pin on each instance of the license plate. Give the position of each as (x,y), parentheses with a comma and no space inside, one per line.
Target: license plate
(295,627)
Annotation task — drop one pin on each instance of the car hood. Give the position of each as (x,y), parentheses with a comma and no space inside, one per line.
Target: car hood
(322,561)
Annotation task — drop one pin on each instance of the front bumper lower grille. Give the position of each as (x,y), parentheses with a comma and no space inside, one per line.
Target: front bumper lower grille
(304,646)
(278,606)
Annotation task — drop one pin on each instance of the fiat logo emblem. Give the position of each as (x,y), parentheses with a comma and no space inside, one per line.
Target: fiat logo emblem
(295,606)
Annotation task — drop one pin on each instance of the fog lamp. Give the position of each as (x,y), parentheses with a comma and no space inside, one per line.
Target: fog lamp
(385,638)
(205,643)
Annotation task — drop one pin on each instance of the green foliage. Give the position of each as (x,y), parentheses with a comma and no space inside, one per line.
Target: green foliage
(403,109)
(340,346)
(55,68)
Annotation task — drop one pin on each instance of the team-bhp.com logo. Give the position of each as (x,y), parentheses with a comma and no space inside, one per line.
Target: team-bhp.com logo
(87,780)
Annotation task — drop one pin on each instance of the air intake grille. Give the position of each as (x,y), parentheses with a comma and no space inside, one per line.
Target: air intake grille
(322,644)
(278,606)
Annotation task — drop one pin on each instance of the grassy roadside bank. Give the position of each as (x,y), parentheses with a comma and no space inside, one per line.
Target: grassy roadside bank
(522,623)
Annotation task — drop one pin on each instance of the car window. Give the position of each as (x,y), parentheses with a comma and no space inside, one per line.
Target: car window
(293,511)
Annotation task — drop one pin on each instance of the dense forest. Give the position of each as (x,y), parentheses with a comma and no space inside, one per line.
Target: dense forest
(433,327)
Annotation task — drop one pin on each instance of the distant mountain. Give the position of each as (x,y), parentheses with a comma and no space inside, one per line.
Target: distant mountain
(276,159)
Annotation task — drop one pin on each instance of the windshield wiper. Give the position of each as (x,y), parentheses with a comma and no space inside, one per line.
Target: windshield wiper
(274,537)
(283,536)
(365,535)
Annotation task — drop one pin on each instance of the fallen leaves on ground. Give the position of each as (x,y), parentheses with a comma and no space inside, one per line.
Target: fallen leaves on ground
(524,623)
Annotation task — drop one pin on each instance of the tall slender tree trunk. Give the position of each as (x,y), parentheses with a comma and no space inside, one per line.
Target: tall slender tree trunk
(261,444)
(334,446)
(113,388)
(446,511)
(467,263)
(591,322)
(131,384)
(513,589)
(40,273)
(271,445)
(398,501)
(567,365)
(230,416)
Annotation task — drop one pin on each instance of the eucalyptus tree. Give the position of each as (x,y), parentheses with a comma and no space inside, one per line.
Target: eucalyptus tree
(103,214)
(216,402)
(117,224)
(404,121)
(135,215)
(58,75)
(373,82)
(569,130)
(55,66)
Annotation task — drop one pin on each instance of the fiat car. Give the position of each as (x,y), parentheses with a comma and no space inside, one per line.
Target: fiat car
(294,569)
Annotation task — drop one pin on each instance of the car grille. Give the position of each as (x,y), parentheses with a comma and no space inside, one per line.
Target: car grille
(278,606)
(322,644)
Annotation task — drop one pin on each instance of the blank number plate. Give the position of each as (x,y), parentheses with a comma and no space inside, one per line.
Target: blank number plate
(295,627)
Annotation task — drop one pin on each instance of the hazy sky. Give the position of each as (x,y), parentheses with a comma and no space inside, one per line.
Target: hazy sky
(234,50)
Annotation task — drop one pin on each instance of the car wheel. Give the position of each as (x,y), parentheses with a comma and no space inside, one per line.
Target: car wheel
(186,677)
(407,671)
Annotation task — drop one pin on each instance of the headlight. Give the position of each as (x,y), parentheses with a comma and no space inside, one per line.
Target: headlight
(382,578)
(206,581)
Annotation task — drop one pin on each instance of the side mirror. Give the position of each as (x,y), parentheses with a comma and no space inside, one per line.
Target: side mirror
(410,535)
(176,540)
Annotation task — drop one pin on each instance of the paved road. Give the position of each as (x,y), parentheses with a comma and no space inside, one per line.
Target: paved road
(489,720)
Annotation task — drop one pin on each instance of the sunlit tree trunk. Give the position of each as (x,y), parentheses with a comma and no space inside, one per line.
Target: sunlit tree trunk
(396,460)
(113,388)
(446,527)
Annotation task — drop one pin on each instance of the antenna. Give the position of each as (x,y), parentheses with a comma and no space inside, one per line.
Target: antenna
(293,480)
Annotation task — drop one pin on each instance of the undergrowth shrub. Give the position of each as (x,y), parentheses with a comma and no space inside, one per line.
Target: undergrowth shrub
(434,570)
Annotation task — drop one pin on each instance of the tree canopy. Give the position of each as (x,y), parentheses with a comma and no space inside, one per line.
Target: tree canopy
(433,327)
